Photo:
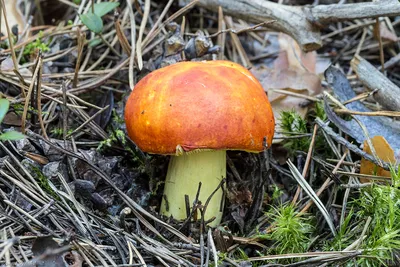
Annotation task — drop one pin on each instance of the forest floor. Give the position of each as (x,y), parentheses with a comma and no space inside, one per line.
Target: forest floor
(76,190)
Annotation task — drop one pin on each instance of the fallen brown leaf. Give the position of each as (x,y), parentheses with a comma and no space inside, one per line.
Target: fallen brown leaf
(293,71)
(385,33)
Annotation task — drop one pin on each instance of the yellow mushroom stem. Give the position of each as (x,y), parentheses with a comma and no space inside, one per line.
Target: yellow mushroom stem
(183,177)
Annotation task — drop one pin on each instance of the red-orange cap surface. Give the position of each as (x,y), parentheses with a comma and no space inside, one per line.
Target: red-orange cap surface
(199,105)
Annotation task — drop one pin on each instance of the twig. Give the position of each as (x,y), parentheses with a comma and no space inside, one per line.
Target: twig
(388,93)
(87,121)
(307,164)
(30,90)
(381,56)
(325,184)
(133,46)
(368,113)
(160,18)
(150,37)
(302,23)
(238,45)
(39,100)
(11,43)
(222,36)
(81,43)
(64,109)
(141,31)
(234,31)
(350,146)
(213,248)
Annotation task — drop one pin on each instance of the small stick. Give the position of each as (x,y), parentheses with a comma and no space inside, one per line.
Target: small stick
(368,113)
(150,37)
(109,45)
(307,164)
(231,30)
(39,100)
(133,46)
(81,43)
(221,37)
(354,148)
(160,18)
(360,97)
(88,121)
(381,56)
(141,31)
(238,45)
(30,90)
(213,248)
(11,42)
(196,200)
(325,184)
(64,109)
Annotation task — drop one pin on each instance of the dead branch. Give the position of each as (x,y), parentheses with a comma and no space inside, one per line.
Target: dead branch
(302,23)
(387,94)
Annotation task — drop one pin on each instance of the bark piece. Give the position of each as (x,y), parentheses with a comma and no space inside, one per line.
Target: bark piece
(388,94)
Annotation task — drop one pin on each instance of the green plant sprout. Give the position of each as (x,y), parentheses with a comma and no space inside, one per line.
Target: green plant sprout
(292,123)
(32,48)
(93,20)
(320,111)
(9,135)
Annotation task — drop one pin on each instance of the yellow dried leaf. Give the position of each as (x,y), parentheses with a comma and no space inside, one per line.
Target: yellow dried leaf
(384,151)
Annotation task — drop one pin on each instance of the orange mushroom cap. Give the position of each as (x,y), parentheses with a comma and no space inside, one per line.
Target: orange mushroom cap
(197,106)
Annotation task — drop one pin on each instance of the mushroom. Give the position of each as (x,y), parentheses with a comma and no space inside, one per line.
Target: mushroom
(195,111)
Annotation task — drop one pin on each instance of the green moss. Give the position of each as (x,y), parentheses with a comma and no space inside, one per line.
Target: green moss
(58,132)
(113,138)
(291,233)
(293,124)
(381,204)
(43,182)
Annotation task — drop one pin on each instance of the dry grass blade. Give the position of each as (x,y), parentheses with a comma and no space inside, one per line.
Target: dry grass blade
(78,176)
(133,47)
(141,32)
(310,192)
(30,90)
(122,38)
(370,113)
(81,43)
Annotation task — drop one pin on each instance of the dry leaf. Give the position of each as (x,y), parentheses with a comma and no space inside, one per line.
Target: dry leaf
(375,125)
(293,71)
(383,151)
(385,33)
(8,65)
(292,57)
